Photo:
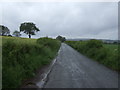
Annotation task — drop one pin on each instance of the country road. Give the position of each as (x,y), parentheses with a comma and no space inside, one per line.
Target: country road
(73,70)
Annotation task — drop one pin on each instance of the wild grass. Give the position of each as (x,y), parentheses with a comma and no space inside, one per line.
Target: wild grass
(22,56)
(112,47)
(107,54)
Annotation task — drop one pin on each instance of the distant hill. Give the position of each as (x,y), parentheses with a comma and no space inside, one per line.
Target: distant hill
(85,39)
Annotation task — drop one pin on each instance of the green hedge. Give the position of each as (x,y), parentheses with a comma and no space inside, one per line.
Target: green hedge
(98,51)
(21,57)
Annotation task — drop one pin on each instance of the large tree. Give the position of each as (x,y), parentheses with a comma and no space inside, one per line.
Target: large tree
(62,39)
(28,28)
(17,33)
(4,31)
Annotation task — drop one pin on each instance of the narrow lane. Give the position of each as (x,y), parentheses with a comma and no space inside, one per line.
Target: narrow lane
(73,70)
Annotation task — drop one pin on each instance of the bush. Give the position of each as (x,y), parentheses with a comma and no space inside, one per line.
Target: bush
(48,42)
(96,50)
(94,44)
(21,58)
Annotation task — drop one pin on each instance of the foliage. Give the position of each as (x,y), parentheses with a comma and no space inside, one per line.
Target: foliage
(62,39)
(17,33)
(22,56)
(28,28)
(94,44)
(4,31)
(9,35)
(48,42)
(103,53)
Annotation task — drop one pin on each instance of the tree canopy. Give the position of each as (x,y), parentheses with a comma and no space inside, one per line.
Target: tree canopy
(17,33)
(62,39)
(28,28)
(4,31)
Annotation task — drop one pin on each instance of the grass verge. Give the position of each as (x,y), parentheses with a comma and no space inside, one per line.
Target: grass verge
(22,56)
(107,54)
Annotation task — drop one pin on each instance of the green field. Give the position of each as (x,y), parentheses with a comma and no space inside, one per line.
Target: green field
(112,47)
(106,54)
(22,56)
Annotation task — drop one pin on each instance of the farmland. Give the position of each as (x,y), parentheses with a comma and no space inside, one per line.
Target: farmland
(22,56)
(112,47)
(106,54)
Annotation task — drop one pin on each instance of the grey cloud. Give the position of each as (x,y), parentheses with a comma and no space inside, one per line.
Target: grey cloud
(72,20)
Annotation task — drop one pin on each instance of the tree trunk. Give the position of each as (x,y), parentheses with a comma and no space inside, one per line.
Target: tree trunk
(29,36)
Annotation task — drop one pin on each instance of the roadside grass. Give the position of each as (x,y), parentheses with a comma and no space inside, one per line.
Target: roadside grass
(112,47)
(21,57)
(107,54)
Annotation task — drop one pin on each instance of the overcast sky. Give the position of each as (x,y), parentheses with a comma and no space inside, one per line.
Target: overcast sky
(72,20)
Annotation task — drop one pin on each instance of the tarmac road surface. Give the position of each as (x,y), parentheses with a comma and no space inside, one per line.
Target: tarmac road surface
(74,70)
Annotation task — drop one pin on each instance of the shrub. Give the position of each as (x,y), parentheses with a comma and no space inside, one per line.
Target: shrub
(48,42)
(21,57)
(95,49)
(94,44)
